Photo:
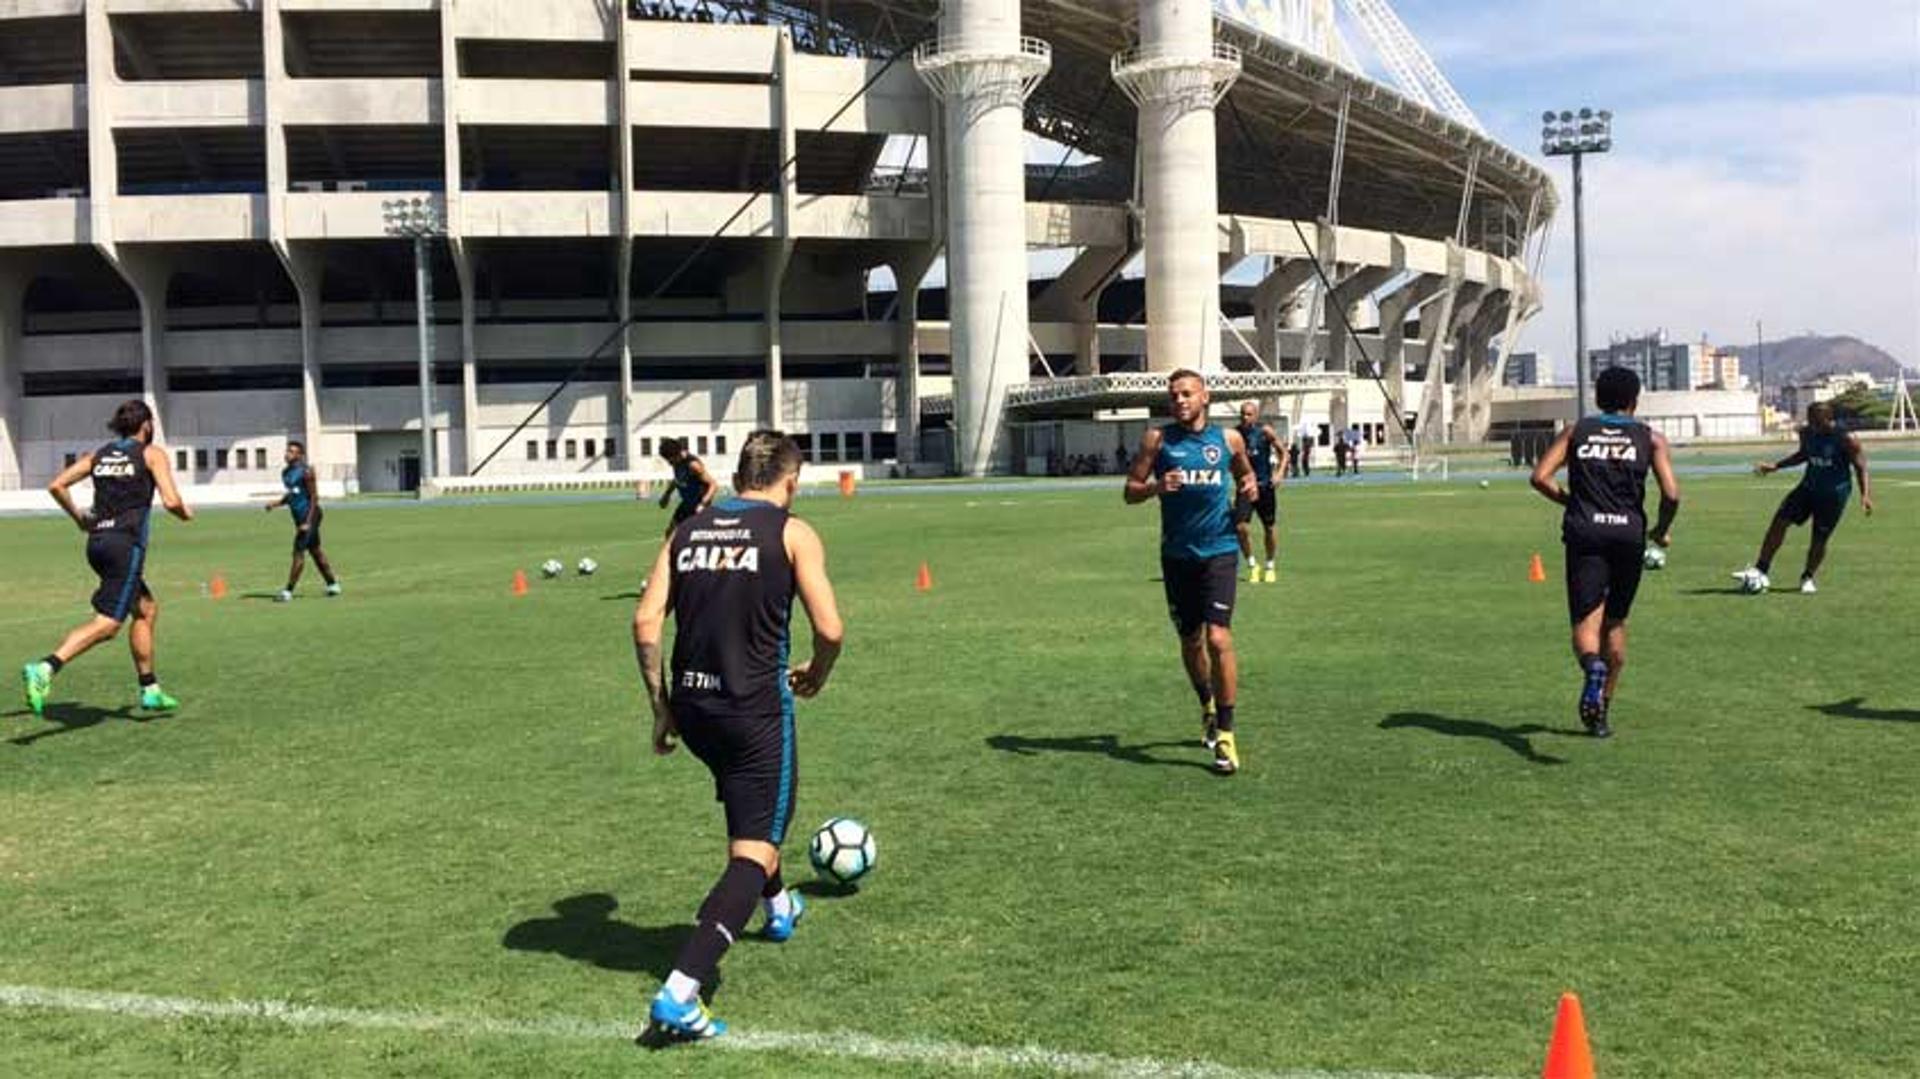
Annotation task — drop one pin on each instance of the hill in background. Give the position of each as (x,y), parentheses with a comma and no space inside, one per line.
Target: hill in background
(1805,358)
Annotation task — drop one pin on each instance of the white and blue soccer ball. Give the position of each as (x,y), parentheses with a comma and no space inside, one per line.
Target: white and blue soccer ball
(552,568)
(1655,558)
(842,850)
(587,567)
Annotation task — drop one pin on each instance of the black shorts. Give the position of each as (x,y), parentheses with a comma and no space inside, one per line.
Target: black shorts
(308,540)
(1603,571)
(120,560)
(1824,510)
(683,512)
(755,771)
(1200,591)
(1267,506)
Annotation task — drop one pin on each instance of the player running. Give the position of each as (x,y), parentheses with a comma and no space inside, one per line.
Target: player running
(1832,456)
(696,487)
(125,473)
(729,578)
(1607,458)
(1262,446)
(1186,465)
(303,501)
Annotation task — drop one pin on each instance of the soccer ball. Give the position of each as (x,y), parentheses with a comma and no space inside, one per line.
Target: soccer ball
(842,850)
(551,568)
(1655,558)
(587,567)
(1753,584)
(1484,484)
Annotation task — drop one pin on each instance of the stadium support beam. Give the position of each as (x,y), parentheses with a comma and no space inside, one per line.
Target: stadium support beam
(623,226)
(1436,325)
(1270,299)
(1175,77)
(304,263)
(1348,291)
(1074,297)
(306,266)
(456,230)
(1394,308)
(983,70)
(909,273)
(778,258)
(464,258)
(14,279)
(786,196)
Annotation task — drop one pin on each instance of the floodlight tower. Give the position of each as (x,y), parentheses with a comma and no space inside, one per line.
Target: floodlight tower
(1567,134)
(419,219)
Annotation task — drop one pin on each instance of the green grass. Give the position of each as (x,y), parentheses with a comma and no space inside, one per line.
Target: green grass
(365,797)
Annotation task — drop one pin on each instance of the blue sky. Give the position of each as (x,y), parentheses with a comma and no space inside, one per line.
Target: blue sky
(1766,163)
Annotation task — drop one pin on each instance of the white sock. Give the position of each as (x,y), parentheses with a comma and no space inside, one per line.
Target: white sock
(682,988)
(1269,563)
(1250,562)
(780,905)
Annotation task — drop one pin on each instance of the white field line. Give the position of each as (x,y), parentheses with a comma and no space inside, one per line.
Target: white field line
(841,1045)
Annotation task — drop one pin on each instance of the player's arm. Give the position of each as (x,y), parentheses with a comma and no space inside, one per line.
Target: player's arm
(1282,453)
(809,558)
(1669,491)
(1797,457)
(162,470)
(1141,485)
(60,489)
(1242,466)
(1550,463)
(649,630)
(709,487)
(1857,455)
(312,487)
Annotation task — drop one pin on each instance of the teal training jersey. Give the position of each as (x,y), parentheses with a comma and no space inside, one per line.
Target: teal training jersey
(688,483)
(1259,451)
(1829,471)
(294,479)
(1196,522)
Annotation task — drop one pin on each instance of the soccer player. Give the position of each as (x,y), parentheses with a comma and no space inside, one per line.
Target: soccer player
(1262,444)
(125,473)
(695,486)
(1607,458)
(1186,464)
(303,501)
(1832,456)
(729,577)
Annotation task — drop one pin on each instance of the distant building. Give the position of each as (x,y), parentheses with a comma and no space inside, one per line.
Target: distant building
(1716,368)
(1524,369)
(1662,365)
(1795,399)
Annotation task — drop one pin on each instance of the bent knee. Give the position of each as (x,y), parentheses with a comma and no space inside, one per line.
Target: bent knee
(1220,638)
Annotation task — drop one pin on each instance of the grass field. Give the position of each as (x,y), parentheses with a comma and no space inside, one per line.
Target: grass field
(431,797)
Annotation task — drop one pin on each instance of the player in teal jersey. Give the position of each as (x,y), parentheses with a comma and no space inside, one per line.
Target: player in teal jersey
(1832,457)
(1195,469)
(302,499)
(691,481)
(1263,446)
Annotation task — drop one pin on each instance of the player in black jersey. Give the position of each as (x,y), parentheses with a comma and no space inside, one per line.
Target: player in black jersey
(125,473)
(691,481)
(728,576)
(1607,458)
(1263,447)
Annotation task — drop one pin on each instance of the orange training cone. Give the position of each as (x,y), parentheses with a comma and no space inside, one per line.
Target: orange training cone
(923,581)
(846,484)
(519,582)
(1536,572)
(1568,1056)
(217,588)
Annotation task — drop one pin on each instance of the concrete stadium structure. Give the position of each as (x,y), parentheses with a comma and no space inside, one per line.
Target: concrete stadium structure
(194,196)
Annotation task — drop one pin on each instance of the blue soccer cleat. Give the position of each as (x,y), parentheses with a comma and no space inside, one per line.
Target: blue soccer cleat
(1593,701)
(779,929)
(690,1021)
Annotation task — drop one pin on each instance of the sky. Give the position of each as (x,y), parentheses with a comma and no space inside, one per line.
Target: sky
(1766,161)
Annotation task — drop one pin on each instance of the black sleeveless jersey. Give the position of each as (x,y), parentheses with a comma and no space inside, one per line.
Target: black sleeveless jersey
(122,487)
(1607,462)
(732,603)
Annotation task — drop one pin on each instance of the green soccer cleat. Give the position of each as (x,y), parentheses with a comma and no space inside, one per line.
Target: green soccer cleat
(37,679)
(155,699)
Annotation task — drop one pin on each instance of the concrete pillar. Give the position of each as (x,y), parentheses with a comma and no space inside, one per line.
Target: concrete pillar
(471,447)
(1270,300)
(1074,297)
(908,275)
(13,295)
(306,267)
(1348,293)
(786,196)
(1394,308)
(623,232)
(983,70)
(1175,76)
(773,409)
(456,223)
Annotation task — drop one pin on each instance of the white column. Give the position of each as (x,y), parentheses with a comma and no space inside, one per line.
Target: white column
(1175,76)
(13,295)
(773,410)
(786,196)
(623,231)
(908,274)
(983,70)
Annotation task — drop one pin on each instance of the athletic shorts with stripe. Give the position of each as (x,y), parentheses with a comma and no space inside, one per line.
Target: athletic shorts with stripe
(754,766)
(119,559)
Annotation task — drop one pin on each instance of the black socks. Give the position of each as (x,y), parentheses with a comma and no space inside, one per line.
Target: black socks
(774,886)
(721,918)
(149,679)
(1223,718)
(54,662)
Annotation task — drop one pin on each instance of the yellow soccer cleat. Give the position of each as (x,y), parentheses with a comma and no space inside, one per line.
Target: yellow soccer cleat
(1253,574)
(1271,575)
(1226,755)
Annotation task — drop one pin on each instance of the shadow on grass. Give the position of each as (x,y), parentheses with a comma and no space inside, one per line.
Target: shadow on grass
(1513,738)
(1731,590)
(1855,708)
(70,718)
(622,595)
(586,932)
(259,595)
(1104,744)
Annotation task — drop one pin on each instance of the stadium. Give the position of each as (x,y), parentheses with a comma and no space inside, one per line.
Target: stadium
(692,220)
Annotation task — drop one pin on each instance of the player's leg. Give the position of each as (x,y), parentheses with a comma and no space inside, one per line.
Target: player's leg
(1826,518)
(1193,657)
(140,637)
(1269,510)
(1613,643)
(1794,509)
(1242,522)
(116,560)
(294,570)
(1186,604)
(326,568)
(1587,587)
(37,677)
(1224,661)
